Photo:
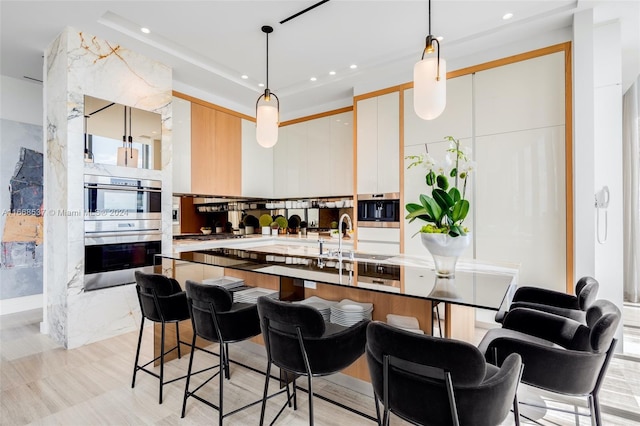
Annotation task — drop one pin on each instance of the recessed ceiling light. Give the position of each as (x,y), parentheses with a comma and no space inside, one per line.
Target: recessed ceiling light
(313,79)
(338,120)
(346,124)
(260,84)
(332,73)
(353,67)
(145,30)
(244,76)
(507,16)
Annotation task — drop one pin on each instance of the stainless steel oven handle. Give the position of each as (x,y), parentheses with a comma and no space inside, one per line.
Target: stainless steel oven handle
(119,233)
(122,188)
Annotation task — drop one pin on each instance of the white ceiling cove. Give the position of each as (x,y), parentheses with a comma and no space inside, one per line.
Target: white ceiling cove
(211,44)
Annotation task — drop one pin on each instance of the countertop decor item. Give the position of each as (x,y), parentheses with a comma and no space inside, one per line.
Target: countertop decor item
(265,223)
(282,222)
(446,208)
(205,230)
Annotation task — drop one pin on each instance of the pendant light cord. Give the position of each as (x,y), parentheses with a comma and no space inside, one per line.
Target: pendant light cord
(267,61)
(429,17)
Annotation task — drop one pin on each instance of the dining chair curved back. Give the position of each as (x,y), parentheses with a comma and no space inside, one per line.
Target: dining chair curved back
(299,341)
(560,355)
(556,302)
(408,370)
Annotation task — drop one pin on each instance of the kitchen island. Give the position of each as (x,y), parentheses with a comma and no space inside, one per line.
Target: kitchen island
(395,284)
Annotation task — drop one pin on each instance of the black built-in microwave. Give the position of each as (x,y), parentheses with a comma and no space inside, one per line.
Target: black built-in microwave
(379,210)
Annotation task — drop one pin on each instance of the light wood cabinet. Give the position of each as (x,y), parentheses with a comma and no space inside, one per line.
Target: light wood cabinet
(378,144)
(216,151)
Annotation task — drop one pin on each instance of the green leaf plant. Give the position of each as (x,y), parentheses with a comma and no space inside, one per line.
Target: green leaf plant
(446,207)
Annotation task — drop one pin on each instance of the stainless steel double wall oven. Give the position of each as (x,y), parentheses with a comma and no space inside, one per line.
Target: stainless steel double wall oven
(122,229)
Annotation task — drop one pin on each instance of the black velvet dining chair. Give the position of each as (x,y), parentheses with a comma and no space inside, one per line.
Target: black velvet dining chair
(433,381)
(162,301)
(300,342)
(556,302)
(560,355)
(216,318)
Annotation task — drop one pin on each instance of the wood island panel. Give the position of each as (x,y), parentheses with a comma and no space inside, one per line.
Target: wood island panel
(383,304)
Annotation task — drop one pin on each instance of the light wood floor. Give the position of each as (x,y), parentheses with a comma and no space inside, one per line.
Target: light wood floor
(44,384)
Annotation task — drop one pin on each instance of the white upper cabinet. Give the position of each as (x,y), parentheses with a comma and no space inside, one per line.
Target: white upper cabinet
(181,145)
(318,153)
(280,162)
(341,153)
(454,121)
(522,95)
(314,158)
(257,164)
(378,135)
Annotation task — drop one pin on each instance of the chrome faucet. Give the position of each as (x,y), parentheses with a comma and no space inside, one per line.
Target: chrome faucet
(350,228)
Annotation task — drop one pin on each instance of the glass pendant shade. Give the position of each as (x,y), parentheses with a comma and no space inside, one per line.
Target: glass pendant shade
(429,94)
(267,124)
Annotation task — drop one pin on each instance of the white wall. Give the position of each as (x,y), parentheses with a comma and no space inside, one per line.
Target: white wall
(583,145)
(20,100)
(608,161)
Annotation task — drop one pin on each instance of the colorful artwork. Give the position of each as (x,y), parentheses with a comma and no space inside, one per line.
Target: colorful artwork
(21,248)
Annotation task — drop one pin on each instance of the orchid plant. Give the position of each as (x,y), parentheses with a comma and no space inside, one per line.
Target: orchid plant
(446,207)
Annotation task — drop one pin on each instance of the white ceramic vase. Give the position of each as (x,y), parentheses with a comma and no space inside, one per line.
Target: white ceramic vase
(445,251)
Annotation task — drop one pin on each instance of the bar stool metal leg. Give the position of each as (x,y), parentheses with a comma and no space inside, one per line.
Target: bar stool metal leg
(178,338)
(135,364)
(161,363)
(186,387)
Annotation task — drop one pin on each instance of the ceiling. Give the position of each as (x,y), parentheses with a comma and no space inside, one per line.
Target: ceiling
(211,44)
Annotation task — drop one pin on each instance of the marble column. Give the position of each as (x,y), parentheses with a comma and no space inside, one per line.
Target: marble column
(79,64)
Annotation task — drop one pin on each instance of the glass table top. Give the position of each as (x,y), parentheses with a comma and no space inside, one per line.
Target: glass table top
(476,284)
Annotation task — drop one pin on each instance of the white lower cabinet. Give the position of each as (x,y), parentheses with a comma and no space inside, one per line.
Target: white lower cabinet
(379,240)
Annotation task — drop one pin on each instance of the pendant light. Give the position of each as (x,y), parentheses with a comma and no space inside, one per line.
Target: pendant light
(267,109)
(430,80)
